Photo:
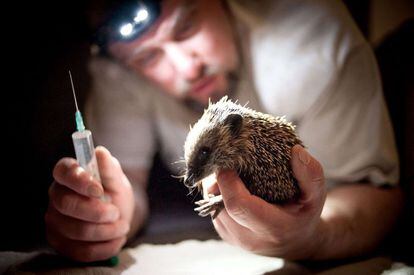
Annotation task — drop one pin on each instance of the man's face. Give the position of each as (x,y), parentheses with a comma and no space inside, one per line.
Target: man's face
(190,52)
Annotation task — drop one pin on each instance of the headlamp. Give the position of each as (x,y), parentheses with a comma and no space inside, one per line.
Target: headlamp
(127,22)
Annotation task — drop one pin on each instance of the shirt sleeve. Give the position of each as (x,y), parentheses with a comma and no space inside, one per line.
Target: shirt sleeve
(118,111)
(348,128)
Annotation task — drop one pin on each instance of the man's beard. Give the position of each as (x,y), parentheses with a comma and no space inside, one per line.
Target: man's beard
(185,87)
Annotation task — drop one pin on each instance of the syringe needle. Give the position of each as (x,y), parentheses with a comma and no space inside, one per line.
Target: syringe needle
(78,116)
(73,90)
(82,140)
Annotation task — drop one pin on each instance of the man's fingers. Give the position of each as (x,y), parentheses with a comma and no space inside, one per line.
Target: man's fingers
(84,251)
(237,234)
(229,228)
(109,168)
(84,208)
(67,172)
(247,210)
(231,188)
(222,230)
(76,229)
(309,173)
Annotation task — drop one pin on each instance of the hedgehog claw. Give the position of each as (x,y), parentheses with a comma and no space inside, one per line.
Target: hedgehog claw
(212,205)
(204,201)
(200,202)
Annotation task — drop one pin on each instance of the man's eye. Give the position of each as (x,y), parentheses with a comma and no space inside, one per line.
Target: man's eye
(147,59)
(186,28)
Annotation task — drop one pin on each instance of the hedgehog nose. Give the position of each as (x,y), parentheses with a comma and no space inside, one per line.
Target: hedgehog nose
(189,178)
(189,182)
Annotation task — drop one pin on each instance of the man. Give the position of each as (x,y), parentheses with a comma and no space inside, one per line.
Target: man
(302,59)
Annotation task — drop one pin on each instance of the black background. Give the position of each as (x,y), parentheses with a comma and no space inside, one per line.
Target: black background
(42,41)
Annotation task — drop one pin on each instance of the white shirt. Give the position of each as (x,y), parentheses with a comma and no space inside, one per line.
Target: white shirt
(304,59)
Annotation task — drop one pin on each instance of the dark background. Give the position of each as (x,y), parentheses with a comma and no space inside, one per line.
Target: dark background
(43,42)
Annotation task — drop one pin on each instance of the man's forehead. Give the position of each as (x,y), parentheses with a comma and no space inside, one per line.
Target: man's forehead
(171,12)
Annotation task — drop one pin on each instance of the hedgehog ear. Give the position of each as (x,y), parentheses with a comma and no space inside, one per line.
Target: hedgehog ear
(234,122)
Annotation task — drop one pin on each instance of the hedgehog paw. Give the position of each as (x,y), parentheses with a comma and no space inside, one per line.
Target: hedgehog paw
(213,205)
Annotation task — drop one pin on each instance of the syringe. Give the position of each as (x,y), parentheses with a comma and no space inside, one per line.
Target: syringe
(85,154)
(83,143)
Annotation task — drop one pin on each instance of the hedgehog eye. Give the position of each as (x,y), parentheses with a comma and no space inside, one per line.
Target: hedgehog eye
(204,154)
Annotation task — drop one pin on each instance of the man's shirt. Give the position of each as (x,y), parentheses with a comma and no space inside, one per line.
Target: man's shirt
(302,59)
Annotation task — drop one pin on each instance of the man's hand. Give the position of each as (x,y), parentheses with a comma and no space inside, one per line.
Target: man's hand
(79,224)
(288,231)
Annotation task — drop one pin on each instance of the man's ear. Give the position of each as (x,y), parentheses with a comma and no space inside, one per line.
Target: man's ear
(234,122)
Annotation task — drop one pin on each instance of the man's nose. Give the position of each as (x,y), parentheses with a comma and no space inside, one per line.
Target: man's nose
(186,63)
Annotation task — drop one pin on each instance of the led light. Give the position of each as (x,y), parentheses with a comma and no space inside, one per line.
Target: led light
(128,22)
(126,29)
(142,15)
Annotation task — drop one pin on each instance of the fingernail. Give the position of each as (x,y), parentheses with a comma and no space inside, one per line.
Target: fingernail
(102,148)
(304,156)
(94,191)
(79,170)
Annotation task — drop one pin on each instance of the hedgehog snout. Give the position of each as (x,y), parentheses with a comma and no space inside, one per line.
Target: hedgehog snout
(189,181)
(191,176)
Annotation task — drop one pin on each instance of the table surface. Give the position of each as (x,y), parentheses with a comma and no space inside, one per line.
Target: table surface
(191,257)
(175,244)
(177,241)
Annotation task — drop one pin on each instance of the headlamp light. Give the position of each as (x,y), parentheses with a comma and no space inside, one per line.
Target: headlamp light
(127,22)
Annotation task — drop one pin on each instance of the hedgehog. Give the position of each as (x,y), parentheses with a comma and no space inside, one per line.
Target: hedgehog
(256,145)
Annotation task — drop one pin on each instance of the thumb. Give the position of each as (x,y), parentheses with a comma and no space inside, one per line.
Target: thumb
(109,168)
(231,187)
(309,174)
(246,209)
(237,199)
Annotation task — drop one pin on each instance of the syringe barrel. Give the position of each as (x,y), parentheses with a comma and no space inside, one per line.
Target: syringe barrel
(85,152)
